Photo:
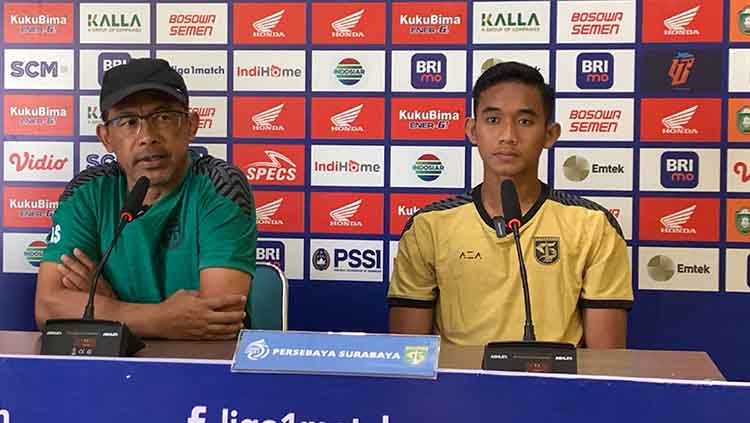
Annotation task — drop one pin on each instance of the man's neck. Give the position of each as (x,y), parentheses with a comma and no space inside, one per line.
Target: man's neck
(528,190)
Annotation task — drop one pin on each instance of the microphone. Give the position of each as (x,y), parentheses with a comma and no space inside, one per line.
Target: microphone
(529,355)
(512,212)
(87,336)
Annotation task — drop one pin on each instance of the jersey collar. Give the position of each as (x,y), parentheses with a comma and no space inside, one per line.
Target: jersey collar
(476,196)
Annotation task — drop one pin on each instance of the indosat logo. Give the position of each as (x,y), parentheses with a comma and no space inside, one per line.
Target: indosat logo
(428,167)
(349,71)
(34,252)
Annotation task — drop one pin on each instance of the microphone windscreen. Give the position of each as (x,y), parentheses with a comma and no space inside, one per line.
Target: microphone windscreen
(134,202)
(509,198)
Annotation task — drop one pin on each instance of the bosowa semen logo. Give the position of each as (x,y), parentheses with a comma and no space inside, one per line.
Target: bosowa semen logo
(428,167)
(743,120)
(257,350)
(415,355)
(742,220)
(547,249)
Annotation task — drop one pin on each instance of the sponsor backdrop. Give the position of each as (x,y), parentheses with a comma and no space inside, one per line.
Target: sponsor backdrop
(347,117)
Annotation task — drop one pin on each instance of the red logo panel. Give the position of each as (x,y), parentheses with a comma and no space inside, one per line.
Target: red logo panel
(428,118)
(429,23)
(269,23)
(403,207)
(268,117)
(348,23)
(679,219)
(271,164)
(38,22)
(38,115)
(348,213)
(280,211)
(682,21)
(684,119)
(348,118)
(29,207)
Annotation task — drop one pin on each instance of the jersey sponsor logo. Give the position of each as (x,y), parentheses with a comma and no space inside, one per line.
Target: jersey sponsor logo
(673,119)
(269,117)
(346,213)
(348,23)
(404,206)
(38,22)
(697,21)
(679,219)
(29,207)
(429,23)
(269,23)
(595,70)
(547,249)
(38,115)
(679,169)
(469,255)
(422,118)
(271,164)
(279,211)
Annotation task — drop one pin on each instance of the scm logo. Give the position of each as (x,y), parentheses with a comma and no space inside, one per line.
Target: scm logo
(35,69)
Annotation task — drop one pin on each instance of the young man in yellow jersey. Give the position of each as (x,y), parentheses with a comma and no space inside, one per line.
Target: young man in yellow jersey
(455,276)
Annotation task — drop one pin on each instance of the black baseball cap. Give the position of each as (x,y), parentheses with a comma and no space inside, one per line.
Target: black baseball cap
(140,75)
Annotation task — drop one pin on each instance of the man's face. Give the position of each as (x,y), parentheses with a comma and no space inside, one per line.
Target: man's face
(510,129)
(159,149)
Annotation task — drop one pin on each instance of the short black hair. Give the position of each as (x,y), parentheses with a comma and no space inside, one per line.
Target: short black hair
(515,72)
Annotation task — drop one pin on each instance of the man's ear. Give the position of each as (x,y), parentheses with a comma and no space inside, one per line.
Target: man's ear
(470,128)
(103,134)
(551,134)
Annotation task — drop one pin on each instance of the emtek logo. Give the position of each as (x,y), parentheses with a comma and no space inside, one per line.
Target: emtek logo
(109,60)
(342,216)
(679,169)
(595,71)
(342,122)
(264,27)
(662,268)
(344,27)
(676,25)
(264,121)
(264,214)
(428,167)
(428,71)
(349,71)
(673,223)
(675,123)
(34,69)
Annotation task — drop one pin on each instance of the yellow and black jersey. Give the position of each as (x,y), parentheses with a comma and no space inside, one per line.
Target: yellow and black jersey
(451,258)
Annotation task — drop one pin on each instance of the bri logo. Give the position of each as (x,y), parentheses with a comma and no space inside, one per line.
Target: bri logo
(109,60)
(595,71)
(679,169)
(428,71)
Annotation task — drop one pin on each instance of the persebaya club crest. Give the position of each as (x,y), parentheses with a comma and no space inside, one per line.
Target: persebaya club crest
(743,20)
(742,220)
(547,249)
(415,355)
(743,120)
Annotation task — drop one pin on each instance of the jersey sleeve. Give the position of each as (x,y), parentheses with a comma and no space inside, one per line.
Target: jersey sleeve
(607,282)
(413,282)
(73,224)
(227,228)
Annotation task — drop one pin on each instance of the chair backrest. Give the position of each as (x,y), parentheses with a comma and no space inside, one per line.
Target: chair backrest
(267,307)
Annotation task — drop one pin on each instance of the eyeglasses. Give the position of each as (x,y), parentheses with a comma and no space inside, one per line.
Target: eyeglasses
(161,120)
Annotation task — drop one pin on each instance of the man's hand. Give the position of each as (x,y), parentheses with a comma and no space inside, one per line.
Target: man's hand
(78,270)
(186,315)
